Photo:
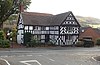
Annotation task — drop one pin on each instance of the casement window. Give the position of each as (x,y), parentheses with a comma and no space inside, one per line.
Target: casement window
(37,28)
(75,28)
(42,36)
(26,27)
(51,28)
(42,28)
(47,28)
(56,27)
(30,27)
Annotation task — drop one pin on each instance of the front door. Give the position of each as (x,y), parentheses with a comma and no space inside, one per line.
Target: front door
(47,38)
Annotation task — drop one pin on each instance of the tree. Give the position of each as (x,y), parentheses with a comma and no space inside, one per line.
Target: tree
(9,7)
(5,7)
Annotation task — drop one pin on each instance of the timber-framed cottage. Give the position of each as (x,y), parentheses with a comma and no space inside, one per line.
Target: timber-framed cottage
(63,29)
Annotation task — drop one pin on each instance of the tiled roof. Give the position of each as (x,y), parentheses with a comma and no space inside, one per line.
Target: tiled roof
(97,30)
(86,28)
(31,18)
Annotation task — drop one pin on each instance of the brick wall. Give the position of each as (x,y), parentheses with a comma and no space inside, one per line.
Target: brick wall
(90,32)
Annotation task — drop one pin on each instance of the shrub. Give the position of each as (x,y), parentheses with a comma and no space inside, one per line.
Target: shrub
(52,42)
(13,34)
(1,34)
(79,44)
(4,43)
(33,42)
(98,41)
(88,43)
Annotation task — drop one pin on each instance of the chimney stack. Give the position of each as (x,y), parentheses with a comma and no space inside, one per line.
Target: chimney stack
(21,8)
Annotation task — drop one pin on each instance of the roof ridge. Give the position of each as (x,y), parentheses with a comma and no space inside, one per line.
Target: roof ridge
(37,13)
(43,18)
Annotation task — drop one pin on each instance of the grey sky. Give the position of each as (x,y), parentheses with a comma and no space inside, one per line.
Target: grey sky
(88,8)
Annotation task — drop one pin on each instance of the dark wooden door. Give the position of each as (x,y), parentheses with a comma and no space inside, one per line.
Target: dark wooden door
(46,38)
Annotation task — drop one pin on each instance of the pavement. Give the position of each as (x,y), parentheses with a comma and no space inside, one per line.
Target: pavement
(97,58)
(51,56)
(2,62)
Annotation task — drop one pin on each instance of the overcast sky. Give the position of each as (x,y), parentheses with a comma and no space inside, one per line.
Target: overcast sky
(88,8)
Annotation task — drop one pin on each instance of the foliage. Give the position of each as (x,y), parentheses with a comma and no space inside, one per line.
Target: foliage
(4,43)
(2,37)
(98,41)
(25,3)
(79,44)
(52,42)
(88,43)
(12,20)
(9,7)
(5,7)
(34,42)
(13,34)
(27,37)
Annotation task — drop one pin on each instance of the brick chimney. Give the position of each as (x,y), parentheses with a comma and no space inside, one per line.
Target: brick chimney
(21,7)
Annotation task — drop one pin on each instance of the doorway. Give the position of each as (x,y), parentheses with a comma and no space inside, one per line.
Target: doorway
(47,38)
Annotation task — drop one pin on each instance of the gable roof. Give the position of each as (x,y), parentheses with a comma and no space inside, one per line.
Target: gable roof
(58,19)
(32,18)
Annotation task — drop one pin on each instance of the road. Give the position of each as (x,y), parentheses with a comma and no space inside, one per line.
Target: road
(51,56)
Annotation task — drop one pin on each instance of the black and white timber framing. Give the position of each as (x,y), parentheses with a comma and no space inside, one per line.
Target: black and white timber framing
(62,29)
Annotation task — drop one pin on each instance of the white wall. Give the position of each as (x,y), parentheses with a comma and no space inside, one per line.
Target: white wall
(20,37)
(20,31)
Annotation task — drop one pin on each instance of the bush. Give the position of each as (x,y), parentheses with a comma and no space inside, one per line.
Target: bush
(52,42)
(98,41)
(1,34)
(33,42)
(88,43)
(4,43)
(79,44)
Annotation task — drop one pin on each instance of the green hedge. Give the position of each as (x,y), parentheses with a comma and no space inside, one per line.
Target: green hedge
(4,43)
(79,44)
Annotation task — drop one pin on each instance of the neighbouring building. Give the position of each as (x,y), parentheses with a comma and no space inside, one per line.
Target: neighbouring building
(94,33)
(63,28)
